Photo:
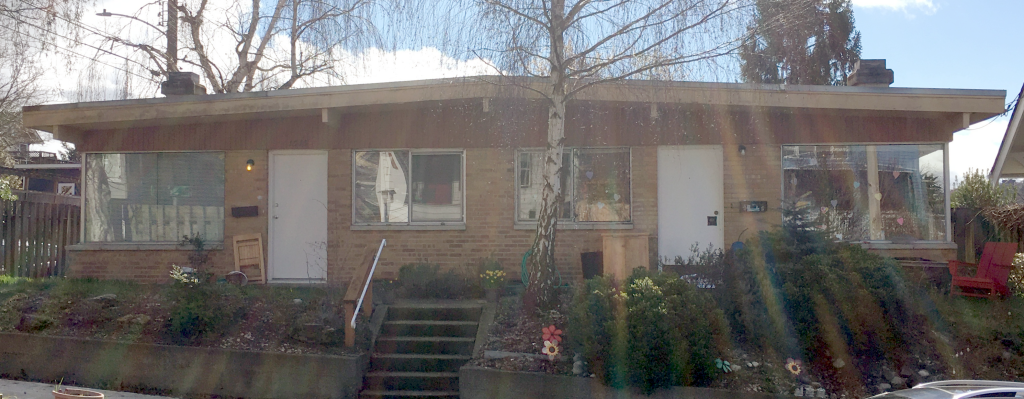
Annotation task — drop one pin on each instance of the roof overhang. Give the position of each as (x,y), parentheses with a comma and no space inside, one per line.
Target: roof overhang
(971,105)
(1010,158)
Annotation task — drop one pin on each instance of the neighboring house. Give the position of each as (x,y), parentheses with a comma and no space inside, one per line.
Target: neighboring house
(448,170)
(1009,161)
(45,172)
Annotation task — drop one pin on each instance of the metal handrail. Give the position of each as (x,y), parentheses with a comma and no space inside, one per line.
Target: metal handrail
(366,285)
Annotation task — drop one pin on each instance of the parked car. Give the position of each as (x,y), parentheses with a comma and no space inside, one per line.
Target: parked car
(958,389)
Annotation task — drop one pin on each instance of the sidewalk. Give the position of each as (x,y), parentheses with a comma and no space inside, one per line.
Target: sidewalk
(10,389)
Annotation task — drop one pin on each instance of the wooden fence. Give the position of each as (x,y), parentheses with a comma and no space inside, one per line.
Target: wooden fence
(34,235)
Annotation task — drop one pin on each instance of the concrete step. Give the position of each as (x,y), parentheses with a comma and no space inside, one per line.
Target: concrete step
(375,394)
(417,362)
(426,345)
(411,381)
(448,328)
(435,312)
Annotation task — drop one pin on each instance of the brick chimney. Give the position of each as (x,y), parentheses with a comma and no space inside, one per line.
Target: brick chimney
(182,84)
(870,73)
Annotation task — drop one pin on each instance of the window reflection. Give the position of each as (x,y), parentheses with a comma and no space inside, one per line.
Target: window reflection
(154,197)
(870,192)
(437,187)
(402,186)
(595,183)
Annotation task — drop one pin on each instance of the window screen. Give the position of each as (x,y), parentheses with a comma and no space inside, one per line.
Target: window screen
(154,197)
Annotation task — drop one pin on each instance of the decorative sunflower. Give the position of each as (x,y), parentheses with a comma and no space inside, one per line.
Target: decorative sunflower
(550,349)
(794,366)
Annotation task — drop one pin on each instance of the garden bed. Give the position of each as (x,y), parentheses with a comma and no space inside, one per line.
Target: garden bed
(789,314)
(298,320)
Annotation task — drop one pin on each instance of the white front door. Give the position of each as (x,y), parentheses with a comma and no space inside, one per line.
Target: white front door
(298,216)
(690,199)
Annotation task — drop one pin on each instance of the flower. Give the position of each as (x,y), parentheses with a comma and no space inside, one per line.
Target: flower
(793,366)
(493,278)
(552,334)
(550,349)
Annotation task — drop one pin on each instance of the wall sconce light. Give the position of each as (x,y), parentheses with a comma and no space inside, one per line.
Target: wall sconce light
(249,164)
(743,150)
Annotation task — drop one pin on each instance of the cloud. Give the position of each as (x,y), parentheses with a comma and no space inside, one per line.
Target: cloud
(926,5)
(376,66)
(975,147)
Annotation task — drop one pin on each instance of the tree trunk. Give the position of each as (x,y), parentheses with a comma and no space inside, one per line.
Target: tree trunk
(542,291)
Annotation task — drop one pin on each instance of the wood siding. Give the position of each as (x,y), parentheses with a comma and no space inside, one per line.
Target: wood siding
(522,124)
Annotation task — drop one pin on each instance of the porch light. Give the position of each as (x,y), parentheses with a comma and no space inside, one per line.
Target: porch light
(743,150)
(249,164)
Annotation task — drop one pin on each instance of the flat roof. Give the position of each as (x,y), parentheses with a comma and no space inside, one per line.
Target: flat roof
(979,104)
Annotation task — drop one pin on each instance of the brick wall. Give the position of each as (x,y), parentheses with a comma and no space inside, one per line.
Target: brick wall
(241,188)
(490,204)
(754,176)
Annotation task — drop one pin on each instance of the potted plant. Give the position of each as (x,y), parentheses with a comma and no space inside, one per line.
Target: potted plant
(492,279)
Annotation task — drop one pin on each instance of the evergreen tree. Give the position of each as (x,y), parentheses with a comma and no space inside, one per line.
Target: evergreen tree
(810,42)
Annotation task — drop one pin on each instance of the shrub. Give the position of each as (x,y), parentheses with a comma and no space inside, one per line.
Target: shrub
(654,331)
(975,191)
(1016,280)
(795,292)
(425,280)
(197,312)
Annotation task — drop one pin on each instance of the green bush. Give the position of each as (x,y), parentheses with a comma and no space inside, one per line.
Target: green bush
(197,312)
(654,331)
(795,292)
(426,281)
(976,191)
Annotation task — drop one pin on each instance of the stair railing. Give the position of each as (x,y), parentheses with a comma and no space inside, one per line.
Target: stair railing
(363,286)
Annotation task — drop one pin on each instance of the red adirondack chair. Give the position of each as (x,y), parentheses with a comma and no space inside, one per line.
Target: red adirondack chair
(993,270)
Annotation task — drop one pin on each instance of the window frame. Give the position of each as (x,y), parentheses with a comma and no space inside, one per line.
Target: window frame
(572,224)
(140,245)
(948,235)
(410,225)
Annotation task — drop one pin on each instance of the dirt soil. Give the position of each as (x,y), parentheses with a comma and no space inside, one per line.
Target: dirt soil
(255,318)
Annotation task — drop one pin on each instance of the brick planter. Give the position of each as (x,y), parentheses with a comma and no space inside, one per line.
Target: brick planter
(482,383)
(179,370)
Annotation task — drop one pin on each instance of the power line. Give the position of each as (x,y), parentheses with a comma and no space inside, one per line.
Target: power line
(73,52)
(69,39)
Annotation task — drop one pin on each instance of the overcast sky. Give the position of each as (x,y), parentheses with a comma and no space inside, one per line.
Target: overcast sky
(928,43)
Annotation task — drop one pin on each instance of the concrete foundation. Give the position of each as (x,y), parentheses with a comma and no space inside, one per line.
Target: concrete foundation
(177,370)
(481,383)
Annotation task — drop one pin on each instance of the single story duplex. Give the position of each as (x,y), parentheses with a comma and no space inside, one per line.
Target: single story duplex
(448,171)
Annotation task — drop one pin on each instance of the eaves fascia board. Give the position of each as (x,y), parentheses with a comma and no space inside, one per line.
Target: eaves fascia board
(987,102)
(1009,137)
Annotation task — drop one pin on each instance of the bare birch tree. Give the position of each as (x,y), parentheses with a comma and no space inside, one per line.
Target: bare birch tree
(26,28)
(572,45)
(273,44)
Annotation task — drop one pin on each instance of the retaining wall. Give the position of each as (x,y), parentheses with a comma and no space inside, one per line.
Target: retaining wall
(178,370)
(484,383)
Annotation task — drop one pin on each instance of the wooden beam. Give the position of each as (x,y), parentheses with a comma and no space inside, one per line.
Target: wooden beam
(66,133)
(874,196)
